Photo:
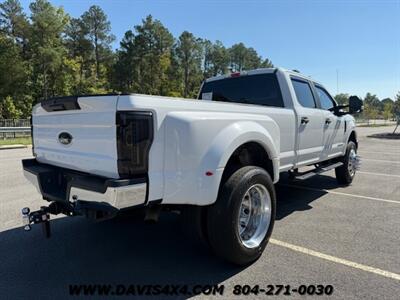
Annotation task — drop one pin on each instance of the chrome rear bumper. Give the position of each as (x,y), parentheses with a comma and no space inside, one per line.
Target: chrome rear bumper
(69,187)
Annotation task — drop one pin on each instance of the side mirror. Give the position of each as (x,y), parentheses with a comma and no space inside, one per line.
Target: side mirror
(355,105)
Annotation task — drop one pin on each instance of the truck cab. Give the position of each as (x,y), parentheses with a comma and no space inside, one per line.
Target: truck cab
(320,130)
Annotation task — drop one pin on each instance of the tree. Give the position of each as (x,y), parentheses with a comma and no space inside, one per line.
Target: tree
(13,75)
(47,48)
(124,67)
(342,99)
(50,54)
(387,111)
(396,105)
(267,64)
(189,54)
(80,50)
(373,101)
(243,58)
(219,59)
(149,51)
(370,112)
(8,109)
(206,59)
(98,29)
(13,22)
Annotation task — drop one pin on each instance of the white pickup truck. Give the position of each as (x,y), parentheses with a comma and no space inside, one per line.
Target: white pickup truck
(215,158)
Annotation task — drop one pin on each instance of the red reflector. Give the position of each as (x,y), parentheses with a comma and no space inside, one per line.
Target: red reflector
(235,74)
(209,173)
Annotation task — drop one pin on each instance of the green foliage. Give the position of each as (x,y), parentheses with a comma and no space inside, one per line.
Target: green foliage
(342,99)
(13,74)
(189,55)
(242,58)
(95,27)
(46,47)
(396,106)
(387,111)
(219,59)
(370,112)
(144,59)
(13,22)
(51,54)
(373,101)
(8,109)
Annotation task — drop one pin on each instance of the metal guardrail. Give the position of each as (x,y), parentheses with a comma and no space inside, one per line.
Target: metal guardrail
(15,123)
(13,128)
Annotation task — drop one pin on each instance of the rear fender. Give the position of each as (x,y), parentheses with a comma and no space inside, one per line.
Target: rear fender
(198,146)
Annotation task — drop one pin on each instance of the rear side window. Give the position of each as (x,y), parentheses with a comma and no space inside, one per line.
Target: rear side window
(260,89)
(303,93)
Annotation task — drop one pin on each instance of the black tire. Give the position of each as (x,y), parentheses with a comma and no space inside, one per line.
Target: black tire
(193,220)
(222,216)
(343,175)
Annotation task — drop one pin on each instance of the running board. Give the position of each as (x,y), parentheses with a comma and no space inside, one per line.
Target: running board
(316,171)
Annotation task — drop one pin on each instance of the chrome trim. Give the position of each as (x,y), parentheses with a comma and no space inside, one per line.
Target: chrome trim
(118,197)
(254,216)
(354,162)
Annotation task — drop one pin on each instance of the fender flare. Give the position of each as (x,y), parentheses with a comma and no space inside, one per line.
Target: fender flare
(237,134)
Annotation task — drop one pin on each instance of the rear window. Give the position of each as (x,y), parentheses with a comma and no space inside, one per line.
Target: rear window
(260,89)
(303,93)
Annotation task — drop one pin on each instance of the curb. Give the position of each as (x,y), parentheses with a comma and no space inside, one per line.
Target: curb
(7,147)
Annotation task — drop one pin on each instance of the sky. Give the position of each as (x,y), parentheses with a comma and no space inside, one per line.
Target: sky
(349,46)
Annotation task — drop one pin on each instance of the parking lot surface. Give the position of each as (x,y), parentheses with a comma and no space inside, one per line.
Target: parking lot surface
(347,237)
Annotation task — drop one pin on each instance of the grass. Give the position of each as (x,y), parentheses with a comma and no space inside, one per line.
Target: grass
(21,140)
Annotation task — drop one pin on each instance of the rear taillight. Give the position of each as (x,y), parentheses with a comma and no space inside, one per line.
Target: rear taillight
(134,138)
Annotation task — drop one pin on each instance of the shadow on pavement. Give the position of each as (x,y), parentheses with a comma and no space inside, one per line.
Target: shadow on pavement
(118,251)
(387,136)
(291,199)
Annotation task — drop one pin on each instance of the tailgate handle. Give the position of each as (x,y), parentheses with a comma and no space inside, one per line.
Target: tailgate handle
(57,107)
(61,103)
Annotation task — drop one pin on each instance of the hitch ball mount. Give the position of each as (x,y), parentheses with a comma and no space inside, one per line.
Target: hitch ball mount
(35,217)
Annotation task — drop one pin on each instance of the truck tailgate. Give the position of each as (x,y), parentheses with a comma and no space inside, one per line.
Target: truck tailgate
(77,133)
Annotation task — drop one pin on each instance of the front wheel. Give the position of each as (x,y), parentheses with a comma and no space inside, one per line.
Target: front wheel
(240,223)
(345,173)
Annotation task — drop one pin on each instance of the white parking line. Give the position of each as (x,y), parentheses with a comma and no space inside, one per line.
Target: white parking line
(339,193)
(336,259)
(378,174)
(390,153)
(17,159)
(381,160)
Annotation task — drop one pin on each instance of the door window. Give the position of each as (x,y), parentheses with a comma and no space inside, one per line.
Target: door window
(325,99)
(303,93)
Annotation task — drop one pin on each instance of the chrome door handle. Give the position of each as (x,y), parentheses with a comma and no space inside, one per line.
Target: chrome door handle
(304,120)
(328,121)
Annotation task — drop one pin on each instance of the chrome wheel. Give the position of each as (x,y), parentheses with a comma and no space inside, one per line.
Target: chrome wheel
(254,216)
(352,164)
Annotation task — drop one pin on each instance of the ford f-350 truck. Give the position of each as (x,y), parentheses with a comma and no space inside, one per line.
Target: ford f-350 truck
(215,158)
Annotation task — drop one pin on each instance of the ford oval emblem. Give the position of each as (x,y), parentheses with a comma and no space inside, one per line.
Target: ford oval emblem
(65,138)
